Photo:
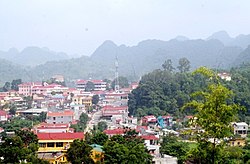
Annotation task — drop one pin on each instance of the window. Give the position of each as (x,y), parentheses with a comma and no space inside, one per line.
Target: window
(59,144)
(52,144)
(42,144)
(54,118)
(238,143)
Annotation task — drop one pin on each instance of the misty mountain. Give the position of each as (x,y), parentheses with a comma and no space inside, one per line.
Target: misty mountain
(32,56)
(240,41)
(134,61)
(150,54)
(243,57)
(10,71)
(222,36)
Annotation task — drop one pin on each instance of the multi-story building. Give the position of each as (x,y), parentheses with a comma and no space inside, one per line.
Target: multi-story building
(119,113)
(52,128)
(3,116)
(240,128)
(30,88)
(57,117)
(52,146)
(26,88)
(99,85)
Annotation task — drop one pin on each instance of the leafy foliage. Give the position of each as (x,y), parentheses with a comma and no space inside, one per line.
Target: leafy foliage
(212,121)
(126,149)
(20,147)
(102,125)
(81,125)
(123,82)
(79,152)
(171,146)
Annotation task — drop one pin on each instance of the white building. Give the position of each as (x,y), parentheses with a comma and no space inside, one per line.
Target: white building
(240,128)
(63,117)
(99,85)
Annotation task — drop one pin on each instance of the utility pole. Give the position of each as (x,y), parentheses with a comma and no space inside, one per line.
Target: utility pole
(116,76)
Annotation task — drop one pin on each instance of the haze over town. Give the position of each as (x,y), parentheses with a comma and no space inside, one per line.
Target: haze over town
(79,27)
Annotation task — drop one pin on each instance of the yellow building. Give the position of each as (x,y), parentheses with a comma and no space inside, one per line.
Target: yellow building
(97,154)
(83,100)
(52,146)
(87,102)
(237,142)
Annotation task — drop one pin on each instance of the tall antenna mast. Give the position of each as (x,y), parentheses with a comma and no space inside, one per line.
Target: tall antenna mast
(116,75)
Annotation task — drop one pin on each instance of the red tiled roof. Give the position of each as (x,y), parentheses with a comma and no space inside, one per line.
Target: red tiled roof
(60,136)
(108,107)
(45,125)
(3,113)
(114,131)
(149,137)
(63,113)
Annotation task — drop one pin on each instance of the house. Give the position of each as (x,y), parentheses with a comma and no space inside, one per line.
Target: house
(168,120)
(151,142)
(58,78)
(115,113)
(97,154)
(3,116)
(52,146)
(83,100)
(56,117)
(26,88)
(52,128)
(32,111)
(112,132)
(237,142)
(225,76)
(149,120)
(99,85)
(240,128)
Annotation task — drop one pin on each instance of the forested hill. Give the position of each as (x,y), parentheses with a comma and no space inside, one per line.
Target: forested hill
(162,92)
(218,51)
(239,41)
(149,54)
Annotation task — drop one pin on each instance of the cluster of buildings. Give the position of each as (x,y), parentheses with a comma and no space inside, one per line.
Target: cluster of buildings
(63,107)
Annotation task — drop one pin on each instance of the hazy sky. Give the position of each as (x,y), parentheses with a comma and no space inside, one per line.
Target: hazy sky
(80,26)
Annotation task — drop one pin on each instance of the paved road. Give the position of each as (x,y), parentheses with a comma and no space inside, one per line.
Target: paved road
(94,120)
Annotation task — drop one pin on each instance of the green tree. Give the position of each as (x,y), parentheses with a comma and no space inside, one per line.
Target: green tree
(171,146)
(168,65)
(99,138)
(13,109)
(20,147)
(79,152)
(15,83)
(95,99)
(90,86)
(102,125)
(6,86)
(123,82)
(184,65)
(126,149)
(81,125)
(214,113)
